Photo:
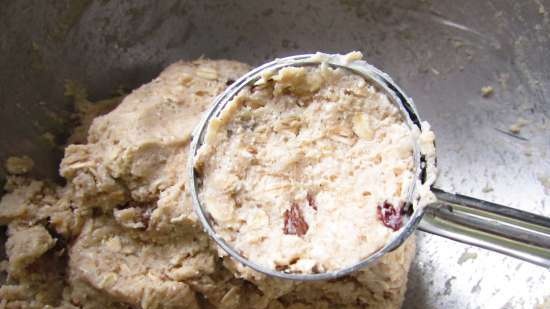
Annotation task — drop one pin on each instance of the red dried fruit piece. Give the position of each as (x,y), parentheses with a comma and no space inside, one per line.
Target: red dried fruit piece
(390,216)
(311,201)
(295,224)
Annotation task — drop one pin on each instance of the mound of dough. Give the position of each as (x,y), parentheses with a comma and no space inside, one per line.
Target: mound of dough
(121,233)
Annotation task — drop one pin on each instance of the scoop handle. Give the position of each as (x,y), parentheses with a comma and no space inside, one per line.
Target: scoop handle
(502,229)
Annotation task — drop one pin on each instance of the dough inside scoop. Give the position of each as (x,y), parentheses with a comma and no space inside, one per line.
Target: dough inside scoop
(309,169)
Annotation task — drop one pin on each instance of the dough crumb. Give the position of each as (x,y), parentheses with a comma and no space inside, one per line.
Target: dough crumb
(26,245)
(466,255)
(487,189)
(503,79)
(353,56)
(545,181)
(49,138)
(19,165)
(518,125)
(487,91)
(542,11)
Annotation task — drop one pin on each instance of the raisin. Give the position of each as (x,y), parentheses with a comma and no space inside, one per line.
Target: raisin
(390,216)
(229,82)
(295,224)
(311,201)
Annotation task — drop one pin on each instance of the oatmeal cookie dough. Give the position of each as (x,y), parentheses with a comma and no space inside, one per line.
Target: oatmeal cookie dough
(309,169)
(122,234)
(19,165)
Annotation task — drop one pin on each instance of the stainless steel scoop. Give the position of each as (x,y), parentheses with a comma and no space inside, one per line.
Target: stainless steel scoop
(468,220)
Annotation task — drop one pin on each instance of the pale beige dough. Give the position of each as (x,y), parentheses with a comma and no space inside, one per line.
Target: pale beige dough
(295,170)
(122,234)
(19,165)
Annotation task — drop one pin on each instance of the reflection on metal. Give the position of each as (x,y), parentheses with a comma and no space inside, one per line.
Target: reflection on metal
(491,226)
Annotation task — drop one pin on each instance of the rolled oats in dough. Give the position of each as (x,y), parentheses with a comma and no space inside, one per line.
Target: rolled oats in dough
(19,165)
(122,234)
(309,170)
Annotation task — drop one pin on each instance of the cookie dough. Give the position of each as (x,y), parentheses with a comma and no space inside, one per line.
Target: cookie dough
(19,165)
(121,232)
(309,170)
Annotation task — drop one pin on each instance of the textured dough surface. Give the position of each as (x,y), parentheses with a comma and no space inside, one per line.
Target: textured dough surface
(296,168)
(121,233)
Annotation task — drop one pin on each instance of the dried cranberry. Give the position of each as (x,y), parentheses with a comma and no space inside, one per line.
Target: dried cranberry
(295,224)
(311,201)
(390,216)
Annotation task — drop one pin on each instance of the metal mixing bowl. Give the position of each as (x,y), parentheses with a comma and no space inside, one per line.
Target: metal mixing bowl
(440,52)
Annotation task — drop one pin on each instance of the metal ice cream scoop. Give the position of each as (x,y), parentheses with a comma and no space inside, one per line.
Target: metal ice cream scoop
(502,229)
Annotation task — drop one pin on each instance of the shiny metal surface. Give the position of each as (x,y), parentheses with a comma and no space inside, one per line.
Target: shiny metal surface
(440,52)
(487,225)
